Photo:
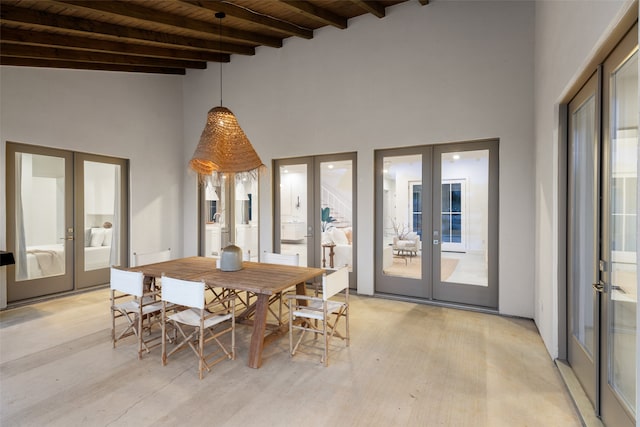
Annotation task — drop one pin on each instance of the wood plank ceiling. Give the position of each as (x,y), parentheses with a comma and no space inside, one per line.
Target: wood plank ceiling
(161,36)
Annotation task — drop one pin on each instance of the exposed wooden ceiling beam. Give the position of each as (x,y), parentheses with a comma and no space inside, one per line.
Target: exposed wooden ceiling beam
(33,17)
(132,10)
(322,15)
(43,52)
(29,62)
(63,40)
(255,18)
(372,7)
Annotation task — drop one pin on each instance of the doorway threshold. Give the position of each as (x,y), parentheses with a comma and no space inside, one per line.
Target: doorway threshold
(458,306)
(578,396)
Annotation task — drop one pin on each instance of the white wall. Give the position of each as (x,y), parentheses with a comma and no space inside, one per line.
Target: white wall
(127,115)
(447,72)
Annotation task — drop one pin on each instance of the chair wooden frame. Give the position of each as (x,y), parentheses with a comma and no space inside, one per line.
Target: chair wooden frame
(307,311)
(131,302)
(197,323)
(284,259)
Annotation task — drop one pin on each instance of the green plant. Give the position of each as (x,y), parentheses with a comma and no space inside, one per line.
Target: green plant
(326,218)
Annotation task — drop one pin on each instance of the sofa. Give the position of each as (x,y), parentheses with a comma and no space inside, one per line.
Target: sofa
(343,249)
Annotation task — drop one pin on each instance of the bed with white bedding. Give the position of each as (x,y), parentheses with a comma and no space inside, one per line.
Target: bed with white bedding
(49,260)
(44,261)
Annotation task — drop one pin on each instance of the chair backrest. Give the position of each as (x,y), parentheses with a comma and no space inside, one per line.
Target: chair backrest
(183,292)
(284,259)
(335,282)
(151,257)
(129,282)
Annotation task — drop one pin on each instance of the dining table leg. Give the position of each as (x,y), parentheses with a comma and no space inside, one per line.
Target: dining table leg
(259,328)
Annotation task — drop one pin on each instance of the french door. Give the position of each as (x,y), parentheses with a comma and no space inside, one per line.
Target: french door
(66,219)
(436,221)
(602,240)
(314,210)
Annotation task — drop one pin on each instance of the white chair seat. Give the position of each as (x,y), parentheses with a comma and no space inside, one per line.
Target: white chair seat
(133,307)
(308,313)
(191,317)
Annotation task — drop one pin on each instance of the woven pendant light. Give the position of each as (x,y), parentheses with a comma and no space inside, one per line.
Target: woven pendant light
(223,146)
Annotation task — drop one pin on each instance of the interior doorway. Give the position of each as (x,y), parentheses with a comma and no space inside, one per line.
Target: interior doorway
(436,222)
(67,219)
(314,210)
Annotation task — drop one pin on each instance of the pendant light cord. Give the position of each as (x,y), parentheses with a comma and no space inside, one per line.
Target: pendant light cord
(220,15)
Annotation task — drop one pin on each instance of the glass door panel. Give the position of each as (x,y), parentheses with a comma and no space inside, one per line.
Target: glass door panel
(620,234)
(401,204)
(402,182)
(100,210)
(336,213)
(101,218)
(214,214)
(583,244)
(39,221)
(246,218)
(465,223)
(464,250)
(293,209)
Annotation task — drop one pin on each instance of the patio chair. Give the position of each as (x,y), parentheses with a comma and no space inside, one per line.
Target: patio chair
(129,301)
(283,259)
(321,315)
(196,323)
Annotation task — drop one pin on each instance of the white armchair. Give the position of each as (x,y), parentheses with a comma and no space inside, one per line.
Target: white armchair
(409,245)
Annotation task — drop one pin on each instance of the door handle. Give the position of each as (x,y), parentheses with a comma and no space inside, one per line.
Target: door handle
(618,288)
(599,286)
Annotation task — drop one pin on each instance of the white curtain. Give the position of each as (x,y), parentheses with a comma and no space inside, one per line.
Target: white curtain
(21,245)
(114,256)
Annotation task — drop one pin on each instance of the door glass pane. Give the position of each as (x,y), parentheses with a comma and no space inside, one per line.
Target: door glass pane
(623,234)
(246,194)
(101,215)
(583,221)
(293,211)
(40,216)
(336,218)
(215,215)
(465,213)
(402,215)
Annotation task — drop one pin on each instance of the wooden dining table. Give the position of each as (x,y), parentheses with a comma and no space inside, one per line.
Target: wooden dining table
(263,280)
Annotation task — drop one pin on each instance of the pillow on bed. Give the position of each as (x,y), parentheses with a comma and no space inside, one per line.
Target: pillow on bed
(97,237)
(108,232)
(87,237)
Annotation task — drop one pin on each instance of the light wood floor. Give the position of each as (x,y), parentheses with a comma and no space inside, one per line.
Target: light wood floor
(408,365)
